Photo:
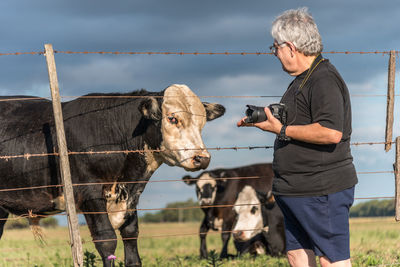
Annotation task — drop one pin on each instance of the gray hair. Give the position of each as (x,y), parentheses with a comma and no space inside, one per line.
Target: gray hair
(298,27)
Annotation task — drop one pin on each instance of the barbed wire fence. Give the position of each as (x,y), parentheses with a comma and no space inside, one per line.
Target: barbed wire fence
(75,239)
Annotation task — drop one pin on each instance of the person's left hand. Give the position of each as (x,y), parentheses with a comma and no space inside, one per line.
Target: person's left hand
(272,124)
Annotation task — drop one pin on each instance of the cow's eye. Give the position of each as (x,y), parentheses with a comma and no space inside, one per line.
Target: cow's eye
(173,120)
(254,210)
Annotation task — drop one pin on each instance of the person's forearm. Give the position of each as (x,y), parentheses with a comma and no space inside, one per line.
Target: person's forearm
(313,133)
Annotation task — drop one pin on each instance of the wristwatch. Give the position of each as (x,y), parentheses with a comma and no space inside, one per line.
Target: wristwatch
(282,135)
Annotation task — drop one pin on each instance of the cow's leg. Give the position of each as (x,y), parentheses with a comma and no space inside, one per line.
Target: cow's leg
(225,240)
(100,229)
(204,227)
(227,227)
(3,219)
(129,232)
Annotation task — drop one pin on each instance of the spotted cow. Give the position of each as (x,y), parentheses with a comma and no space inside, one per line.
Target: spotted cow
(259,222)
(217,191)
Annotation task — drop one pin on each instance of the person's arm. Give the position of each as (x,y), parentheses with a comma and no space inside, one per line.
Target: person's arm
(312,133)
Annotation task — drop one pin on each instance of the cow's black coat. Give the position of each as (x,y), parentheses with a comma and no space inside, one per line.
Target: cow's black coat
(274,239)
(91,124)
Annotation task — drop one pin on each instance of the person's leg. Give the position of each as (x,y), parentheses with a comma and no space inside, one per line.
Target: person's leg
(319,224)
(325,262)
(339,206)
(298,247)
(301,258)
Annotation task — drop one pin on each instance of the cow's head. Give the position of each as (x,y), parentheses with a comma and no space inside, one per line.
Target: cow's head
(207,186)
(249,217)
(182,116)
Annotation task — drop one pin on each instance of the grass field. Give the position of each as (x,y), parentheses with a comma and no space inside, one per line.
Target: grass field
(374,242)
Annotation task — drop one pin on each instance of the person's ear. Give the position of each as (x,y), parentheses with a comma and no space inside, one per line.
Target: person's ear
(292,48)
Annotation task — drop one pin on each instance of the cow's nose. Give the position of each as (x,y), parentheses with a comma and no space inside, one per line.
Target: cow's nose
(238,235)
(205,201)
(201,161)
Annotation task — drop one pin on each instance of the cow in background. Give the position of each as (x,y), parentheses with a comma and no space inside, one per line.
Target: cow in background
(215,188)
(165,126)
(263,220)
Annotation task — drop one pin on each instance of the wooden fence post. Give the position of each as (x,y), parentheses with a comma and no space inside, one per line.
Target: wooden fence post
(396,166)
(75,238)
(390,100)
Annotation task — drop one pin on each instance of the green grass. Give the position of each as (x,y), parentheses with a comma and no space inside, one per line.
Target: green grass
(374,242)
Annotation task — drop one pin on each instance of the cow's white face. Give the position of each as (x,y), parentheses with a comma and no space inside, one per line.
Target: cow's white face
(249,218)
(183,118)
(206,188)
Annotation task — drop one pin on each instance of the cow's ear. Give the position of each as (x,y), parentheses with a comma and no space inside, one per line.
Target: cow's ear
(150,109)
(213,110)
(189,180)
(222,176)
(262,196)
(266,199)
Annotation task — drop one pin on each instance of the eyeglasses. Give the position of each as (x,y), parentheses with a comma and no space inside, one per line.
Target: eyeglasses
(274,48)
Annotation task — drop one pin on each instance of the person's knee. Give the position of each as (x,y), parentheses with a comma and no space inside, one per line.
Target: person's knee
(301,257)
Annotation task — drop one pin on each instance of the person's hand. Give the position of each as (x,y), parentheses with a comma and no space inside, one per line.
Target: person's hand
(272,124)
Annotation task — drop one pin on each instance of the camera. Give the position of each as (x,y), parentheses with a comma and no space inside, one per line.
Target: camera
(257,114)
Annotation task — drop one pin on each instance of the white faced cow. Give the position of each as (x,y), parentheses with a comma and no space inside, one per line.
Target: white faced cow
(259,227)
(249,220)
(165,126)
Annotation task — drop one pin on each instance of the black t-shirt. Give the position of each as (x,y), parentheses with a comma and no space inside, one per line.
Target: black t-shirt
(305,169)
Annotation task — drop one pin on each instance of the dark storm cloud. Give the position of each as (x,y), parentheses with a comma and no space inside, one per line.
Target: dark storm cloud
(146,25)
(187,26)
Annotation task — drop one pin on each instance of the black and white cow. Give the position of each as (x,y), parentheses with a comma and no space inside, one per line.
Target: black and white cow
(165,126)
(214,188)
(263,221)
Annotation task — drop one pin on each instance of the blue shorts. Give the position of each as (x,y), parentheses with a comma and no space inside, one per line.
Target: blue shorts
(318,223)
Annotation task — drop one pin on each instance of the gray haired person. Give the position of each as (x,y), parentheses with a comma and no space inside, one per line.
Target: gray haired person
(313,166)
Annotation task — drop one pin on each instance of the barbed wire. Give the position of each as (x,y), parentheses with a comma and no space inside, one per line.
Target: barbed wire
(181,53)
(365,198)
(22,53)
(67,243)
(209,53)
(142,151)
(157,181)
(33,215)
(130,97)
(42,216)
(208,96)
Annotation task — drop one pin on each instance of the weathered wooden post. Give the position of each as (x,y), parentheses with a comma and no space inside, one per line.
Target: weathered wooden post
(396,166)
(75,238)
(390,100)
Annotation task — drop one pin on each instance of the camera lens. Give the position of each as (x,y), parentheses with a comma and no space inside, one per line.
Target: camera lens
(255,114)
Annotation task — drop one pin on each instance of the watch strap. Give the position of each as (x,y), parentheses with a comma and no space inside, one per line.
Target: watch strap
(282,135)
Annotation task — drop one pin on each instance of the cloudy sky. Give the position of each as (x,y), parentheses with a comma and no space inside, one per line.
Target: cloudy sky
(204,26)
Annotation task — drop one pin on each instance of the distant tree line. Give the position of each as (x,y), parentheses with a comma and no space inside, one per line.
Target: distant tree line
(373,208)
(170,214)
(21,223)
